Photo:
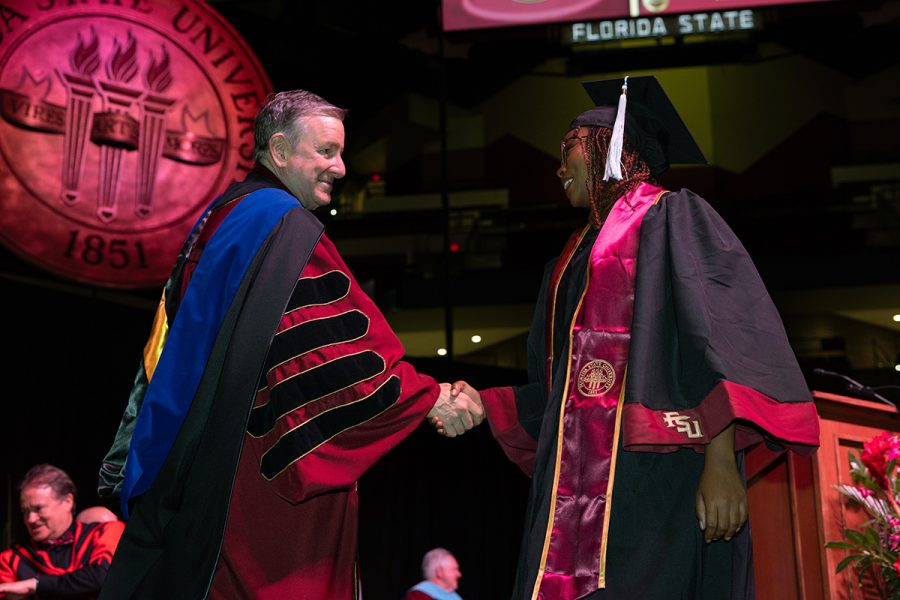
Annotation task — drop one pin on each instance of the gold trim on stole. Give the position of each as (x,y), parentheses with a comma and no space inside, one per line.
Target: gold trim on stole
(601,581)
(562,411)
(553,306)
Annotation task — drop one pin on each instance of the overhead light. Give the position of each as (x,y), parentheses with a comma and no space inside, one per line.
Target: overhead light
(442,352)
(897,367)
(333,212)
(896,318)
(476,339)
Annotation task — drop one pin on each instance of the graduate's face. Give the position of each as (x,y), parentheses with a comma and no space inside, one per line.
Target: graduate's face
(46,516)
(309,167)
(572,171)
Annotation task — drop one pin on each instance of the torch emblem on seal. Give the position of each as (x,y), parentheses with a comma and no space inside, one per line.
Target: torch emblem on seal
(132,119)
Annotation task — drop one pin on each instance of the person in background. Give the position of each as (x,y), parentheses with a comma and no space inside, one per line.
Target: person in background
(441,577)
(64,558)
(270,384)
(655,358)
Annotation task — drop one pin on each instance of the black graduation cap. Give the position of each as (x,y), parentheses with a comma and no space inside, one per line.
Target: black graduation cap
(652,125)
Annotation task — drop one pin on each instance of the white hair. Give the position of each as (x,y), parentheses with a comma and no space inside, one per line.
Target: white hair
(432,560)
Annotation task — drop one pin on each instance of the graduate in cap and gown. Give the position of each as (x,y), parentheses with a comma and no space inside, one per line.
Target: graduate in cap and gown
(656,357)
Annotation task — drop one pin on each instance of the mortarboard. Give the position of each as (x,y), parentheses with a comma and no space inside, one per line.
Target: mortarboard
(648,121)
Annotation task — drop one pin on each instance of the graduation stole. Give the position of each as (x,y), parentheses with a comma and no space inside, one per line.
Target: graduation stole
(573,562)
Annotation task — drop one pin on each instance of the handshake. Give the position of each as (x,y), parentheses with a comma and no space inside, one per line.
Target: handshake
(457,410)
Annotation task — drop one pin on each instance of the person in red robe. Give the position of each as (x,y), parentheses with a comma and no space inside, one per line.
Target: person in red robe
(270,384)
(655,358)
(64,558)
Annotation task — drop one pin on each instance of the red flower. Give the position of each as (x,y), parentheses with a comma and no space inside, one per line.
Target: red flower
(897,566)
(876,454)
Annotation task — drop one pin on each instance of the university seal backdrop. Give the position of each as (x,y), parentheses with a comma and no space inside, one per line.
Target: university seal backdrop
(119,122)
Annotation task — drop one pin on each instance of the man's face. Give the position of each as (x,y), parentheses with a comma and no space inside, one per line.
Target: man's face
(312,165)
(46,516)
(448,574)
(573,169)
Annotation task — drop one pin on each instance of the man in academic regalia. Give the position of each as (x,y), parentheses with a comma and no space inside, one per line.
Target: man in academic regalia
(270,384)
(655,358)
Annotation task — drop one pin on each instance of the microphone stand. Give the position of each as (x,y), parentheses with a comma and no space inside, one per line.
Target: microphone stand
(851,385)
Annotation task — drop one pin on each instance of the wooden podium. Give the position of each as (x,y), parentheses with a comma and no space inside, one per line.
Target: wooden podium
(795,510)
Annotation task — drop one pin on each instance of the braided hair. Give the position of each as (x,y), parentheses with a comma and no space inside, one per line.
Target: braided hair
(603,194)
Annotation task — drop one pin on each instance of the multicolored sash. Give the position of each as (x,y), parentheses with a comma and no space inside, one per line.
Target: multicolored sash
(573,562)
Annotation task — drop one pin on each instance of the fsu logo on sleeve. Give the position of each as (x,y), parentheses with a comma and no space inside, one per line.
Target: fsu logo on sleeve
(119,122)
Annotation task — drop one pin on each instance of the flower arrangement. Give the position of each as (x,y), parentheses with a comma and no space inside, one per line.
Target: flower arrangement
(875,547)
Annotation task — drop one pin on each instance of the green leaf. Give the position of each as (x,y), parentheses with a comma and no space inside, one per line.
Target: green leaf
(846,562)
(872,539)
(869,483)
(855,537)
(840,545)
(864,564)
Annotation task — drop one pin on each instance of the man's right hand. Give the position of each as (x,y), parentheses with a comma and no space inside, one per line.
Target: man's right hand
(18,590)
(457,413)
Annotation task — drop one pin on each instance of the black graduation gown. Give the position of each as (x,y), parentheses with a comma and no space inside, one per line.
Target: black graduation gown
(656,549)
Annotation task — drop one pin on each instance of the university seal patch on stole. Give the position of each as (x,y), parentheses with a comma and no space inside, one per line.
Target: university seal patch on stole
(596,378)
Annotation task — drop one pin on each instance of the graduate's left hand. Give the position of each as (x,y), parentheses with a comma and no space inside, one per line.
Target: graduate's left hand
(721,495)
